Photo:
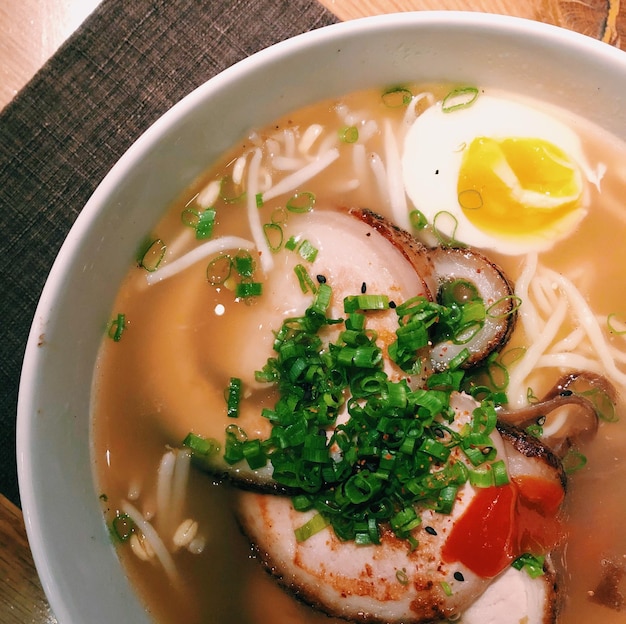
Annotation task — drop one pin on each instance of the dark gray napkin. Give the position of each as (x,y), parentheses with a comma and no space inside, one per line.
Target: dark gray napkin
(127,64)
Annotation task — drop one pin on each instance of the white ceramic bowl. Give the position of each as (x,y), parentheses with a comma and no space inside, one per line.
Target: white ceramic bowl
(75,559)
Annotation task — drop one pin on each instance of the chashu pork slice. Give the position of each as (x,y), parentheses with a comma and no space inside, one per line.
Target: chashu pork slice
(516,598)
(388,583)
(352,257)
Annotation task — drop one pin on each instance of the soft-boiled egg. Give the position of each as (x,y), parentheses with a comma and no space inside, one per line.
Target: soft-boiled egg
(496,174)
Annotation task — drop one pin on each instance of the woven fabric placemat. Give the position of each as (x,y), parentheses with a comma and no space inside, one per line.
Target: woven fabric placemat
(127,64)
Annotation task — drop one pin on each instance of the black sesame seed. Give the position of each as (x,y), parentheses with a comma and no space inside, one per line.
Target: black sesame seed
(363,288)
(436,171)
(566,393)
(430,530)
(321,279)
(392,304)
(459,576)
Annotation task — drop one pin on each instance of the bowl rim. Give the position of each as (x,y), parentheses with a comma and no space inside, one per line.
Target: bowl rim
(34,514)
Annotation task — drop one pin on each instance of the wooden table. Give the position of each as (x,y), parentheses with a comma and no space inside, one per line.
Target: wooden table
(31,31)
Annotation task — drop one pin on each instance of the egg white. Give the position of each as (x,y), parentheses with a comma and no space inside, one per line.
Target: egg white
(432,155)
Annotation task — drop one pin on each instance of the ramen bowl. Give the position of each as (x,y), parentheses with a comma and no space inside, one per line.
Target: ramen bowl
(71,544)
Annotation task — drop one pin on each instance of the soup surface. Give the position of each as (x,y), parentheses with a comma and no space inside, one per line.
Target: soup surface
(184,326)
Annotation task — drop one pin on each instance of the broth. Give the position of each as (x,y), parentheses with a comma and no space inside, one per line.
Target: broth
(167,374)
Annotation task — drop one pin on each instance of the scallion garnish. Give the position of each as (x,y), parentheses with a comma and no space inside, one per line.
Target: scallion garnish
(573,461)
(301,202)
(438,229)
(316,524)
(273,235)
(397,97)
(461,97)
(230,192)
(190,217)
(244,264)
(532,564)
(201,447)
(307,251)
(292,243)
(470,199)
(244,290)
(304,279)
(122,527)
(150,254)
(233,397)
(206,221)
(219,269)
(447,590)
(117,327)
(349,134)
(365,302)
(418,219)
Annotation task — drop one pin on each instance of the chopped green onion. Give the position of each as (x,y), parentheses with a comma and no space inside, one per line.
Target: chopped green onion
(516,304)
(459,359)
(244,264)
(304,279)
(279,215)
(532,564)
(500,474)
(447,590)
(248,289)
(349,134)
(259,200)
(436,449)
(316,524)
(230,192)
(307,251)
(117,327)
(573,461)
(418,219)
(273,235)
(254,454)
(397,97)
(470,199)
(301,202)
(461,97)
(151,254)
(206,221)
(292,243)
(233,397)
(200,446)
(444,239)
(353,303)
(122,527)
(531,397)
(219,269)
(602,404)
(612,327)
(190,217)
(402,577)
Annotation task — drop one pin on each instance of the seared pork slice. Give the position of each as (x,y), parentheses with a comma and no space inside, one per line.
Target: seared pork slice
(390,583)
(353,258)
(376,583)
(516,598)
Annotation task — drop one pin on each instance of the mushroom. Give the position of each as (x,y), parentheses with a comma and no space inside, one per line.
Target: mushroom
(569,411)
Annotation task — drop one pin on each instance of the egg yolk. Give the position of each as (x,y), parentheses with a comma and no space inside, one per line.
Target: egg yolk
(517,186)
